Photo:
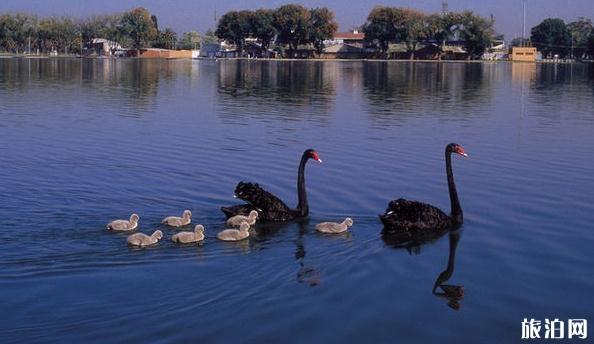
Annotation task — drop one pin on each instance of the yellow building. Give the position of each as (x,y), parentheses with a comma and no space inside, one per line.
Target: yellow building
(523,54)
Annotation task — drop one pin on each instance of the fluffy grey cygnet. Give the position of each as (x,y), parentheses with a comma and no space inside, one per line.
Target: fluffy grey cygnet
(237,220)
(124,225)
(142,240)
(334,227)
(234,234)
(189,237)
(176,221)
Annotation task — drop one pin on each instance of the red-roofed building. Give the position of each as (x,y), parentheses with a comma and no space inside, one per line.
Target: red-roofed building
(354,38)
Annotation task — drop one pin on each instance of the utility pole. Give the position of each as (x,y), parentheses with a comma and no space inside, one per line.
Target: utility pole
(524,23)
(572,45)
(444,8)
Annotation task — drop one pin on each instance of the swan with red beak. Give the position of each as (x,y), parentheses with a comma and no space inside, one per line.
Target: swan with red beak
(269,207)
(419,218)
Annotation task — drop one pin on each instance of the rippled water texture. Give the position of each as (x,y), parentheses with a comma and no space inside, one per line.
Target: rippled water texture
(86,141)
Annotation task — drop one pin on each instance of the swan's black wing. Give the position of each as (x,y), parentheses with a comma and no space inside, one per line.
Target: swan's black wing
(268,206)
(411,216)
(241,209)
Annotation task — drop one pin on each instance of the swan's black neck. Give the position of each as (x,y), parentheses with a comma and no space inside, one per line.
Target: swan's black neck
(302,205)
(456,210)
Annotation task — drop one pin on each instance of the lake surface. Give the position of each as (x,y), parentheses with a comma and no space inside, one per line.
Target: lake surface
(84,142)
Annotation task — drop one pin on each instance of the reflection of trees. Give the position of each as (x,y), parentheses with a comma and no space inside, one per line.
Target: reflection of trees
(276,89)
(561,89)
(397,90)
(124,83)
(21,73)
(136,79)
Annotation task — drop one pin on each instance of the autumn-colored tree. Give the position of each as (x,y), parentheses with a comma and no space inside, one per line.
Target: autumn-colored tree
(138,25)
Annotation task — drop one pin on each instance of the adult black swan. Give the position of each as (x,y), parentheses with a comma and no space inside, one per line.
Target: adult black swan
(269,207)
(415,217)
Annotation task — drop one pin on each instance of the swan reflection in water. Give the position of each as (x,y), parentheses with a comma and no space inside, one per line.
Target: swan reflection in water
(306,274)
(412,243)
(452,293)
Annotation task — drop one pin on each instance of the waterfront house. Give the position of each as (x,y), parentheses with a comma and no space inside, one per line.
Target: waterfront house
(352,38)
(523,54)
(102,47)
(160,53)
(346,51)
(497,51)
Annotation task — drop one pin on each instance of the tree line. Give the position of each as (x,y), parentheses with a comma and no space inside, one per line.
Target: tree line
(386,25)
(288,28)
(135,28)
(289,25)
(553,37)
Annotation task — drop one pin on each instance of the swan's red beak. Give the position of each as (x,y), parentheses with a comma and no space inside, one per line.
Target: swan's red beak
(461,151)
(316,157)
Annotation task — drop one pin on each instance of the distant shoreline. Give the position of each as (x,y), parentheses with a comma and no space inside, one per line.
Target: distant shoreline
(26,56)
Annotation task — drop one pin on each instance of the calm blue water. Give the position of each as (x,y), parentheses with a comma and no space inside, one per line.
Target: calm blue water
(87,141)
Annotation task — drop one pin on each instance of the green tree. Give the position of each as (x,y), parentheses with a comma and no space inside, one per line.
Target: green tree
(138,25)
(551,37)
(415,29)
(190,40)
(292,23)
(477,34)
(167,39)
(234,27)
(384,25)
(16,31)
(590,45)
(322,26)
(444,27)
(209,37)
(262,27)
(580,30)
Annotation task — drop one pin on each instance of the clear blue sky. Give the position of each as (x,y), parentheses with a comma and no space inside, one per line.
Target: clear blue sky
(186,15)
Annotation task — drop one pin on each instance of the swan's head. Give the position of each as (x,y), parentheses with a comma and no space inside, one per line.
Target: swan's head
(199,229)
(248,192)
(456,148)
(134,218)
(244,226)
(187,214)
(312,154)
(158,234)
(254,214)
(348,221)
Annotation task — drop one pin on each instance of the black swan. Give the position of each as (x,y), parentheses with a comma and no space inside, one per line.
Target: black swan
(269,207)
(411,216)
